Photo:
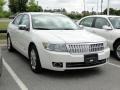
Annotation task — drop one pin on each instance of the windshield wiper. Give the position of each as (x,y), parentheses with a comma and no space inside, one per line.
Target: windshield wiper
(118,28)
(68,29)
(42,28)
(54,28)
(63,29)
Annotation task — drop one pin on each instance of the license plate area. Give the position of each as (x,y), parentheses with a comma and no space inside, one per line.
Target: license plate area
(90,58)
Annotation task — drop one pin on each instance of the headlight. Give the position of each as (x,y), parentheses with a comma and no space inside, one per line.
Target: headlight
(55,47)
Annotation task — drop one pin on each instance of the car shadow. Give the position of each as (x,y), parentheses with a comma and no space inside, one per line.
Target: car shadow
(21,57)
(112,54)
(82,73)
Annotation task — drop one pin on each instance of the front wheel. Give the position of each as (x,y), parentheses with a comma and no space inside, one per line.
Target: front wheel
(34,60)
(117,50)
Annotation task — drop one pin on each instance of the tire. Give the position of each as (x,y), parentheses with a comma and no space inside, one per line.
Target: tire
(117,50)
(9,44)
(34,60)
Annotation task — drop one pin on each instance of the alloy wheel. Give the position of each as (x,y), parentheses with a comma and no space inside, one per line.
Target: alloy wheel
(33,59)
(118,51)
(8,43)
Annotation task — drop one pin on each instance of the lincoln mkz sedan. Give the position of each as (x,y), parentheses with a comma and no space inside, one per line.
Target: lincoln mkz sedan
(105,26)
(53,41)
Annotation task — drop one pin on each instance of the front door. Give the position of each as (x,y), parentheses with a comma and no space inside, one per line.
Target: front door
(24,35)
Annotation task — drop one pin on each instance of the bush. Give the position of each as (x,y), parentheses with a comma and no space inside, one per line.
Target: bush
(3,36)
(74,16)
(5,14)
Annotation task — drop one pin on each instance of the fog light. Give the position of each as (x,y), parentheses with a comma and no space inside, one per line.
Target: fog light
(57,64)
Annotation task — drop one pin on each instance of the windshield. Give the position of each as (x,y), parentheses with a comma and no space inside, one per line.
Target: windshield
(115,22)
(53,22)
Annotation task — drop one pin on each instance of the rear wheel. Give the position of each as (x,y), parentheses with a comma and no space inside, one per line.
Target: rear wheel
(9,44)
(34,60)
(117,50)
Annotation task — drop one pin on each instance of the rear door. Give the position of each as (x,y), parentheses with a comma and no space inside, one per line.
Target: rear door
(87,23)
(98,29)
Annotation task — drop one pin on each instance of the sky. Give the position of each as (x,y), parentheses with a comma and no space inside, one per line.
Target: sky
(75,5)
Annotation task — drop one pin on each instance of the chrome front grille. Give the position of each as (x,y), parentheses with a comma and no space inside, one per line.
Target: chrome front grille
(85,47)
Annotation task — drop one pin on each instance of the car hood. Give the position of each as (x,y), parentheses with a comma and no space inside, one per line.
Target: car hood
(72,36)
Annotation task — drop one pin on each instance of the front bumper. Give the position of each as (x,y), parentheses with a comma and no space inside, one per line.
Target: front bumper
(70,61)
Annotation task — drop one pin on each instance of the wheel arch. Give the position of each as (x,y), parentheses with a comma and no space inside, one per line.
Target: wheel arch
(39,62)
(31,43)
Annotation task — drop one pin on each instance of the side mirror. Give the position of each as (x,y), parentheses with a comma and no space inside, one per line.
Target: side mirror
(23,27)
(81,26)
(107,27)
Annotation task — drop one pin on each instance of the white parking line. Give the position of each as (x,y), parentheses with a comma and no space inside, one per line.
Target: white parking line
(118,66)
(15,77)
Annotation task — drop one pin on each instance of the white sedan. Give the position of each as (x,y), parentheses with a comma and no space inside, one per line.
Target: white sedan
(54,41)
(105,26)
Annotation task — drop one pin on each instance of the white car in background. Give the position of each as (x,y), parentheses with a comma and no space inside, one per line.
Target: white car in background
(54,41)
(105,26)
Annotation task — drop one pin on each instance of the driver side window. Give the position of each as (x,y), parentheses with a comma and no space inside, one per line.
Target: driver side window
(17,20)
(25,21)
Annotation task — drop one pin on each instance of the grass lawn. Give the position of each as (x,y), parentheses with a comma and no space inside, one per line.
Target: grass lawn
(3,25)
(3,42)
(3,36)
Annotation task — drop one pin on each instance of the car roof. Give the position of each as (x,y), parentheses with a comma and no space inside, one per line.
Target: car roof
(42,13)
(105,16)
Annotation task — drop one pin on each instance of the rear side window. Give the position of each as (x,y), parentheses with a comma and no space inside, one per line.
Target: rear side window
(17,20)
(87,22)
(100,22)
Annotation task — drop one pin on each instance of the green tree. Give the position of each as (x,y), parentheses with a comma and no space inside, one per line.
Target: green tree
(112,11)
(17,5)
(2,3)
(22,5)
(13,6)
(118,12)
(33,7)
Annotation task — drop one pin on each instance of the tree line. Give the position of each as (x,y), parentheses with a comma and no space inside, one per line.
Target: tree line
(17,6)
(112,11)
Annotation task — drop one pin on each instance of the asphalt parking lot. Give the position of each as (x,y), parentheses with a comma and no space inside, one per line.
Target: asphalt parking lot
(17,75)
